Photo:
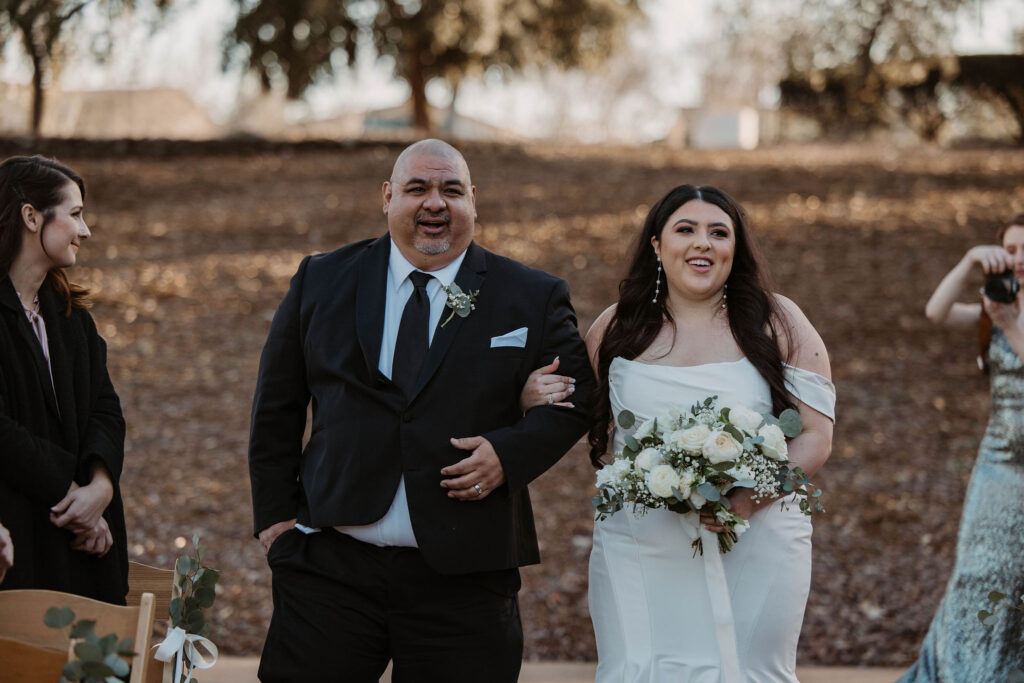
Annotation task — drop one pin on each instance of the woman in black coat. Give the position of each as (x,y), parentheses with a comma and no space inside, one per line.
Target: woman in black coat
(61,428)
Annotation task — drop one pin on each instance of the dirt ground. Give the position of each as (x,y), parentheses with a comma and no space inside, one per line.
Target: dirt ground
(192,252)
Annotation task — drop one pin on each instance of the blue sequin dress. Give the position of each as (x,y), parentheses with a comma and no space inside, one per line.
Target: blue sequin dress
(990,548)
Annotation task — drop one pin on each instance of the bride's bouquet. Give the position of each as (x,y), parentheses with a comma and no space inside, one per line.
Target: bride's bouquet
(689,463)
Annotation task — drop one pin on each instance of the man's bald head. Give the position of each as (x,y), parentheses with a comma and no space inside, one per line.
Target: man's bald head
(433,148)
(430,204)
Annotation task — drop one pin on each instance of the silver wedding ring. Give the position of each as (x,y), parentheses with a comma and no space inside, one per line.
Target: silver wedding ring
(479,491)
(551,399)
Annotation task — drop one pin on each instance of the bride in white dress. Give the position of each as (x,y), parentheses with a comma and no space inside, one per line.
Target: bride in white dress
(694,319)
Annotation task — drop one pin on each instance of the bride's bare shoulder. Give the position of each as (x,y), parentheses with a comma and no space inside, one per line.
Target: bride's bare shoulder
(798,336)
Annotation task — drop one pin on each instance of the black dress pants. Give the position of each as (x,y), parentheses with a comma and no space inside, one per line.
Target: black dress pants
(344,608)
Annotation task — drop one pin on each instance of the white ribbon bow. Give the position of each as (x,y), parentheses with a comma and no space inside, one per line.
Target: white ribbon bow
(718,591)
(179,644)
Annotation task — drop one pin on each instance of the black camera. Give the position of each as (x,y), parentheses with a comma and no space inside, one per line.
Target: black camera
(1002,287)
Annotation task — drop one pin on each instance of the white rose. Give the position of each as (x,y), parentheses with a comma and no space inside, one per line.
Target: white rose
(645,430)
(668,421)
(613,474)
(685,482)
(606,476)
(647,459)
(720,447)
(662,480)
(745,418)
(697,500)
(774,445)
(690,440)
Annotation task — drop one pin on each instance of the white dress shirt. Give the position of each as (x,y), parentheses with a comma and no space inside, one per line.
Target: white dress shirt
(395,527)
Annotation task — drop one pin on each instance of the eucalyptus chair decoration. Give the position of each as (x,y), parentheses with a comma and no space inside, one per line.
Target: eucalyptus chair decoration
(96,660)
(194,590)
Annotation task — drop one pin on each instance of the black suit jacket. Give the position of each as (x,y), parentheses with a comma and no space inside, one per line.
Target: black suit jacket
(324,346)
(49,436)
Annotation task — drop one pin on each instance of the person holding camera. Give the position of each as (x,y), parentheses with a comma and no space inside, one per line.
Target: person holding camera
(959,647)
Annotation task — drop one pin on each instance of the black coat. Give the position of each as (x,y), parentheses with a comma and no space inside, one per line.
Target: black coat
(46,441)
(324,345)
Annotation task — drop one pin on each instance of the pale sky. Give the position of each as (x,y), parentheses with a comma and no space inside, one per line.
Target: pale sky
(186,54)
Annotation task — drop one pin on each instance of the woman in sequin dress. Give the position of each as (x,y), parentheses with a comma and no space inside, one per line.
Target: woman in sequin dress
(989,554)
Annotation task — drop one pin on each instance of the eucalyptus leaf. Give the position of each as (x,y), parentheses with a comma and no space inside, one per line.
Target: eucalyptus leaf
(88,652)
(454,289)
(96,669)
(108,644)
(724,415)
(597,501)
(73,671)
(626,419)
(709,491)
(83,628)
(175,610)
(735,433)
(124,648)
(722,466)
(996,596)
(745,483)
(790,423)
(725,502)
(116,664)
(206,596)
(632,443)
(788,486)
(184,565)
(58,617)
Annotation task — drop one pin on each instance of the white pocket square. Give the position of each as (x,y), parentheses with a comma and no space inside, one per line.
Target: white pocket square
(515,338)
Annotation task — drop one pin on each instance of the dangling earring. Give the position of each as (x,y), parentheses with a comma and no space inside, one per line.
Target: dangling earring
(725,294)
(657,283)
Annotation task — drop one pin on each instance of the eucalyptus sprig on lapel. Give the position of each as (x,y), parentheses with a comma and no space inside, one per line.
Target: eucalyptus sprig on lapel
(461,303)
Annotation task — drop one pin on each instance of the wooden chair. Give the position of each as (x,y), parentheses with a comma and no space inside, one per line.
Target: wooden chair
(26,663)
(143,578)
(21,621)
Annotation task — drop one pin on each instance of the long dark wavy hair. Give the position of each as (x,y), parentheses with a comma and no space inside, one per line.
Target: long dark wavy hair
(755,318)
(40,182)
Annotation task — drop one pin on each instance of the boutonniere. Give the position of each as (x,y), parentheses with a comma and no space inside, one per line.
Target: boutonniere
(461,303)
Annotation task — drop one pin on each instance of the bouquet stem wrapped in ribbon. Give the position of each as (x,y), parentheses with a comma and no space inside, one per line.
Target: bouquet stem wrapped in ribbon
(691,462)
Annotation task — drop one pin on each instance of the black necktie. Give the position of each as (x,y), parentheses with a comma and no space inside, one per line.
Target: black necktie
(413,336)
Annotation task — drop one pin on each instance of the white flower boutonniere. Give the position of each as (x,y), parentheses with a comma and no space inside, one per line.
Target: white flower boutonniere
(461,303)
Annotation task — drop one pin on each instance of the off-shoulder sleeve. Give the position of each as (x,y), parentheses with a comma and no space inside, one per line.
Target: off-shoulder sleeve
(813,389)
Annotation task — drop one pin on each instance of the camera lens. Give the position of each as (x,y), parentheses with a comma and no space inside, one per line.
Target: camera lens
(1002,287)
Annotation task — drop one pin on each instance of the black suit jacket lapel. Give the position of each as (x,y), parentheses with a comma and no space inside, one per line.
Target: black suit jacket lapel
(469,278)
(9,299)
(371,294)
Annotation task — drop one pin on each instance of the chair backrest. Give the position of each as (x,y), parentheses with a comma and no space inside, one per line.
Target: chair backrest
(143,578)
(26,663)
(21,619)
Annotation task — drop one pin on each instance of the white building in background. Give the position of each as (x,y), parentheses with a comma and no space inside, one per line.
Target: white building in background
(723,128)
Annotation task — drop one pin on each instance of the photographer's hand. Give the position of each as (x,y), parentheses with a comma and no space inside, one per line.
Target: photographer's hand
(992,258)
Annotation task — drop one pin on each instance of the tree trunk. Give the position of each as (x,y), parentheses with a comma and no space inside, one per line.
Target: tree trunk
(37,93)
(418,85)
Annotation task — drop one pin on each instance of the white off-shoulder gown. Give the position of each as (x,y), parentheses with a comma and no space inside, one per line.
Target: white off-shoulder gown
(663,616)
